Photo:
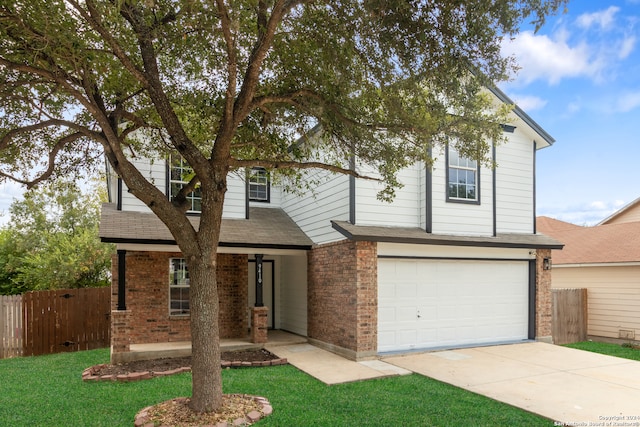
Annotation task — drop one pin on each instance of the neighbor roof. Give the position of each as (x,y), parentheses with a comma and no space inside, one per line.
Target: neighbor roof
(420,237)
(265,228)
(608,243)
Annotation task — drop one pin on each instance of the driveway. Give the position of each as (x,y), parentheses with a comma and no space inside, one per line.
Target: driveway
(572,387)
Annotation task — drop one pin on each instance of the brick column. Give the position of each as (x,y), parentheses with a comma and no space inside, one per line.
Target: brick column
(259,324)
(120,334)
(543,298)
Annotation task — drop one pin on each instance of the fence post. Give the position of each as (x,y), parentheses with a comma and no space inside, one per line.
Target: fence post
(10,326)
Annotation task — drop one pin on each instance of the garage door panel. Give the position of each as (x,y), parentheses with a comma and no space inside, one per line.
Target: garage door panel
(442,303)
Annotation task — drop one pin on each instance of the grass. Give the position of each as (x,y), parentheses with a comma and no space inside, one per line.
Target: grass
(48,391)
(616,350)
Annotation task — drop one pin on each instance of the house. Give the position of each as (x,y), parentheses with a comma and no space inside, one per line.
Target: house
(604,259)
(453,261)
(628,213)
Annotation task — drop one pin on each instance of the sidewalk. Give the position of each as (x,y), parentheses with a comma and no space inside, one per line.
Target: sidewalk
(331,368)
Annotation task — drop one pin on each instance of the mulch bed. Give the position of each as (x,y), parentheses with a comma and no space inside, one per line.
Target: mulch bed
(144,369)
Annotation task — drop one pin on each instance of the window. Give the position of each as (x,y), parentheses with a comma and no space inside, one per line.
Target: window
(178,287)
(179,175)
(462,178)
(259,185)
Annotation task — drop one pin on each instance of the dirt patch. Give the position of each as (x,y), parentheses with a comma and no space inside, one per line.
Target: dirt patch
(170,364)
(237,409)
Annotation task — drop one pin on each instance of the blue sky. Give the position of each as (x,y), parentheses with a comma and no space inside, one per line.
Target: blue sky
(580,80)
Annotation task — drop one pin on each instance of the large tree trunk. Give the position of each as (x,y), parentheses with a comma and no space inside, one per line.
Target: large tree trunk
(205,334)
(205,330)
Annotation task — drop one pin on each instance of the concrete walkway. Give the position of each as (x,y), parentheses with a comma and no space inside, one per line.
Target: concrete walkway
(331,368)
(571,387)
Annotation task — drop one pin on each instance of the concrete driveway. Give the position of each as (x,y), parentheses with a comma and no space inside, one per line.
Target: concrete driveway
(572,387)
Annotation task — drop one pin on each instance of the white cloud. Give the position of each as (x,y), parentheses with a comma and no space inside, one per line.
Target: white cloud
(604,18)
(529,102)
(626,47)
(574,49)
(588,213)
(551,59)
(627,102)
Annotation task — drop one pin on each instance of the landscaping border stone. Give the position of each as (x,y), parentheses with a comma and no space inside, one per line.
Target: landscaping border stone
(142,417)
(89,374)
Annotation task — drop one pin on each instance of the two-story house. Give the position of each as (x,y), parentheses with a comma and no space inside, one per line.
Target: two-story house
(453,261)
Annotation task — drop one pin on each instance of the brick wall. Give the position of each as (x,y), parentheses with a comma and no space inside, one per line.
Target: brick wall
(342,297)
(543,297)
(147,297)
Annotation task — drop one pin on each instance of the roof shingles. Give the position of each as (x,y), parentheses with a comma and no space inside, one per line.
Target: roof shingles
(266,227)
(607,243)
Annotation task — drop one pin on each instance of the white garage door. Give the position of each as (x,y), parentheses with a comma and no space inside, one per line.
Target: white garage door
(435,303)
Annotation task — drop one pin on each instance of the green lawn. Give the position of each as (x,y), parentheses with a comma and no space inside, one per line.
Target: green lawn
(609,349)
(48,391)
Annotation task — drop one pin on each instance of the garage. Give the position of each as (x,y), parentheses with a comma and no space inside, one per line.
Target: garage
(445,303)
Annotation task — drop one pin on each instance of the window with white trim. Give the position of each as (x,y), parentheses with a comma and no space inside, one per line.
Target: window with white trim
(259,185)
(179,174)
(178,287)
(462,178)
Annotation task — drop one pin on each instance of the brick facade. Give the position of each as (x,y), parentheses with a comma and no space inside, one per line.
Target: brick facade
(147,299)
(342,297)
(543,297)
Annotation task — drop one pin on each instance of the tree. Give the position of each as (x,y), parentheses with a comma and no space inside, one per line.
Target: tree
(230,84)
(51,241)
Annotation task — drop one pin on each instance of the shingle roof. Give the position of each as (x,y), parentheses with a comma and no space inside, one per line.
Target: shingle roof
(265,228)
(608,243)
(419,236)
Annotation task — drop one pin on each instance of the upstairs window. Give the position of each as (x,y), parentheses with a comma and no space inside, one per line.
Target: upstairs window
(463,184)
(259,185)
(179,174)
(178,287)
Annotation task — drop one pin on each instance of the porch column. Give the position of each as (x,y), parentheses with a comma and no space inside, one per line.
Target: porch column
(259,281)
(122,270)
(259,316)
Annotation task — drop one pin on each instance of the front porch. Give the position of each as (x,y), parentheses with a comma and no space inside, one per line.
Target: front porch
(183,348)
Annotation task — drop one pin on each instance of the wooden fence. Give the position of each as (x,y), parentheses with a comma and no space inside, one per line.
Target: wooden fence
(57,321)
(569,321)
(10,326)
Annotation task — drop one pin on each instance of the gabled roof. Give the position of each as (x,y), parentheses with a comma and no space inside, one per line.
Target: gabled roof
(418,236)
(265,228)
(630,212)
(519,112)
(602,244)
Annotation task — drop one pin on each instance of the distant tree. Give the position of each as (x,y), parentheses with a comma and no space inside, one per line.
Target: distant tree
(230,84)
(51,241)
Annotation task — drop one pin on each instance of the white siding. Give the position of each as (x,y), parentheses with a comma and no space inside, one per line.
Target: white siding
(461,218)
(403,211)
(234,199)
(514,191)
(314,210)
(155,172)
(293,293)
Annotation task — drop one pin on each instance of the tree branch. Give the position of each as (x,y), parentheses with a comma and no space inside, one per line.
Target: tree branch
(277,164)
(93,18)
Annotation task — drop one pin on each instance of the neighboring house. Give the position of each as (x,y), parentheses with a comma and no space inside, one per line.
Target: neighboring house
(604,259)
(453,261)
(628,213)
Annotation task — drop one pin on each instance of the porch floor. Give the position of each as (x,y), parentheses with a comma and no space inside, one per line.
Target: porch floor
(183,348)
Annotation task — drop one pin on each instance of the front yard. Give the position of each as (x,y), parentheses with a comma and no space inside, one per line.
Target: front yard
(48,391)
